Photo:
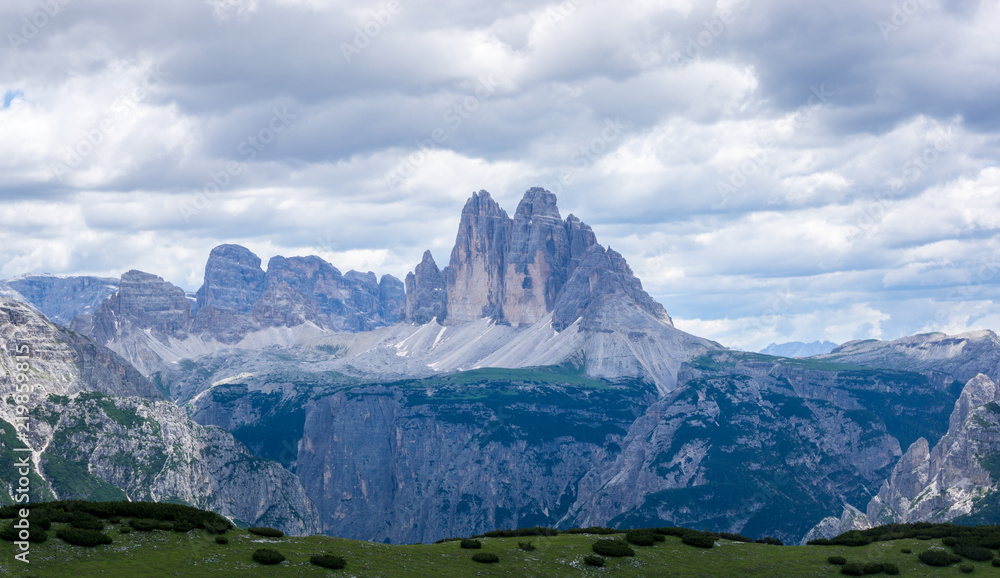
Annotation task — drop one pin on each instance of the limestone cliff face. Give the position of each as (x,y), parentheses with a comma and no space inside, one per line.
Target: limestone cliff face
(233,279)
(475,274)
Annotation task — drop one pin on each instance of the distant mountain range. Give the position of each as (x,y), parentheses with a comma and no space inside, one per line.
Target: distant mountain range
(530,381)
(799,349)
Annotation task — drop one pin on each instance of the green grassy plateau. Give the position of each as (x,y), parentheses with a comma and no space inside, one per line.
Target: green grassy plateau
(195,553)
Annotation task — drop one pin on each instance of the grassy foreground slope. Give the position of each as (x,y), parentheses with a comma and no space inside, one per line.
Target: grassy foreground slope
(195,553)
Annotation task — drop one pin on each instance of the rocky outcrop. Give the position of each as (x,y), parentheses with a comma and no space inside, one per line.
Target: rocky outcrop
(961,356)
(957,478)
(520,270)
(309,289)
(149,319)
(426,292)
(61,298)
(233,279)
(99,430)
(602,281)
(475,274)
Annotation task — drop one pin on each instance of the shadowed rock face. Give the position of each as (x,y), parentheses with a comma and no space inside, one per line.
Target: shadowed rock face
(63,298)
(426,292)
(146,302)
(233,279)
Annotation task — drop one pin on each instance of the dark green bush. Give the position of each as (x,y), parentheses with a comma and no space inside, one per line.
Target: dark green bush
(40,519)
(640,537)
(64,511)
(183,526)
(592,560)
(698,539)
(124,529)
(36,533)
(906,551)
(971,551)
(949,541)
(924,537)
(266,532)
(80,537)
(837,560)
(519,533)
(144,524)
(526,546)
(600,530)
(486,557)
(967,568)
(221,540)
(328,561)
(612,548)
(85,521)
(769,540)
(996,562)
(471,544)
(938,558)
(734,537)
(268,556)
(868,568)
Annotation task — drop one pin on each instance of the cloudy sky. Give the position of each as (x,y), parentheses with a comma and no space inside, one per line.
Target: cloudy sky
(773,170)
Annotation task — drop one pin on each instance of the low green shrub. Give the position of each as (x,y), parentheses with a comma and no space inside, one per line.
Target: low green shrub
(996,562)
(486,557)
(698,539)
(265,532)
(612,548)
(967,568)
(183,526)
(328,561)
(600,530)
(770,541)
(526,546)
(471,544)
(519,533)
(735,537)
(972,551)
(221,540)
(868,568)
(81,537)
(144,524)
(906,551)
(85,521)
(35,533)
(837,560)
(268,556)
(640,537)
(124,529)
(949,541)
(593,560)
(938,558)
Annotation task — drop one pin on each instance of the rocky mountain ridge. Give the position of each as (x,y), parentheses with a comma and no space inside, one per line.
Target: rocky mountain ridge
(98,429)
(959,478)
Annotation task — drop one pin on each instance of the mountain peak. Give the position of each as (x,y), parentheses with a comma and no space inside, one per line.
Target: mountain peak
(537,202)
(513,270)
